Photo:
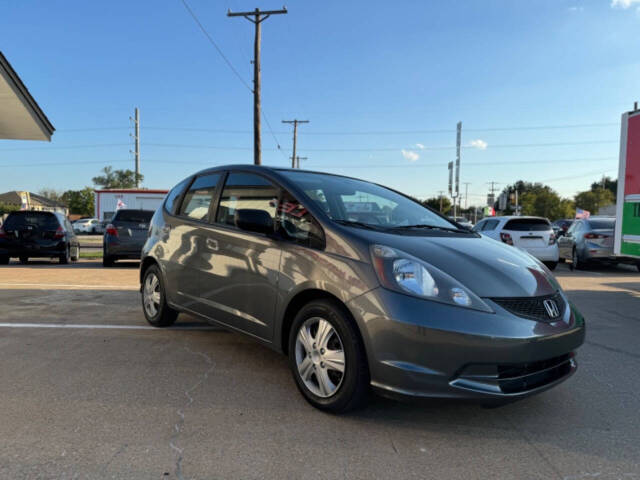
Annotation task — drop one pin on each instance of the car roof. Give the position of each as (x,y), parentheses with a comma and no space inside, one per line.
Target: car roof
(524,217)
(264,168)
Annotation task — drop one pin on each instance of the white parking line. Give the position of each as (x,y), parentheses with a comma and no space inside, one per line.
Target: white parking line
(100,327)
(64,285)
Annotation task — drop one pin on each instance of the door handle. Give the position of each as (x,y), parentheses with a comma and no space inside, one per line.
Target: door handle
(212,244)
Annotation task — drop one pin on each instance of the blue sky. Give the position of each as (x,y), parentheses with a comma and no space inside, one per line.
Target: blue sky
(383,84)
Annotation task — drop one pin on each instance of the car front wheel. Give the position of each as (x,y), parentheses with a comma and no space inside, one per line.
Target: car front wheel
(154,299)
(327,357)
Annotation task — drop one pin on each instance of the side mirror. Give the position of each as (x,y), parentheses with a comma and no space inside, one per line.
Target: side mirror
(253,220)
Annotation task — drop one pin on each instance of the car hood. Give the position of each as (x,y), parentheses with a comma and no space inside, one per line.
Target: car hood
(487,267)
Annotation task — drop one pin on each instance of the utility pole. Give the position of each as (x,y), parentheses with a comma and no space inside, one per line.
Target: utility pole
(295,123)
(298,158)
(466,193)
(136,137)
(258,18)
(441,192)
(455,194)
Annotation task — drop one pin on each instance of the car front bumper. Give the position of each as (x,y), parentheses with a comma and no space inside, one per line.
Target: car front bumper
(419,348)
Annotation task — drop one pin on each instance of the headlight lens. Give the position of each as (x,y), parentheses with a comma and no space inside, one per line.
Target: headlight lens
(402,272)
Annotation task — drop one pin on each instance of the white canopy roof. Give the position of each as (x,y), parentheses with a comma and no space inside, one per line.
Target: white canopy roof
(20,116)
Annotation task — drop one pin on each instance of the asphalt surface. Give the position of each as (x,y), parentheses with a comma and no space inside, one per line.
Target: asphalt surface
(100,395)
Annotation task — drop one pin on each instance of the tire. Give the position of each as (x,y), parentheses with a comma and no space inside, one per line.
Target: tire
(24,260)
(4,259)
(156,310)
(346,390)
(576,264)
(76,257)
(65,258)
(551,265)
(108,261)
(637,265)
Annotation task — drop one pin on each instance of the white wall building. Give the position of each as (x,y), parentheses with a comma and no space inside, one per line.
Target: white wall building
(106,201)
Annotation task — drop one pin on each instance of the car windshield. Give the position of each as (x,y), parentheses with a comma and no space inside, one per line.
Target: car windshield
(32,220)
(139,216)
(364,204)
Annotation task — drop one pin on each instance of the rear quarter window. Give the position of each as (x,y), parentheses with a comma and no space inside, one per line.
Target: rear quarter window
(528,225)
(602,224)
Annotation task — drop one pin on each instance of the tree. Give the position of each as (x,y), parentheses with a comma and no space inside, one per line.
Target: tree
(51,194)
(6,208)
(592,200)
(117,178)
(79,201)
(434,202)
(608,184)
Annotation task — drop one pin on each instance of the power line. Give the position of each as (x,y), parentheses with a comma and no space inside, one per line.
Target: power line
(370,132)
(212,41)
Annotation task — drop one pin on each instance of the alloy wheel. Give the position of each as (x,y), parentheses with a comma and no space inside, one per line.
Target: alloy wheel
(151,295)
(320,357)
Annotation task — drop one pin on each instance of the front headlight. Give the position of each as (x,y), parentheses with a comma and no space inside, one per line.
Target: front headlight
(404,273)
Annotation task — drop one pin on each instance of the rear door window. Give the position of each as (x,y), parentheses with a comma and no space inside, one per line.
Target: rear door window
(528,225)
(32,221)
(199,197)
(246,190)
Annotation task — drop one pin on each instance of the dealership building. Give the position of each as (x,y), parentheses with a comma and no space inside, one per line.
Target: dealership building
(106,202)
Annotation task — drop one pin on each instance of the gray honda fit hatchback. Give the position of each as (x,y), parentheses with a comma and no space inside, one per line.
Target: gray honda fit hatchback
(362,287)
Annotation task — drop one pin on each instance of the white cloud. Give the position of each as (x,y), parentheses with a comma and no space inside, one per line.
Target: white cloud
(576,9)
(479,144)
(624,4)
(410,155)
(420,146)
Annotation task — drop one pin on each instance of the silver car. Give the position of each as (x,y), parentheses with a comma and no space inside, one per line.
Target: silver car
(589,242)
(361,287)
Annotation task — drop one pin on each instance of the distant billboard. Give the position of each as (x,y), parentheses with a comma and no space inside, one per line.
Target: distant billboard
(627,234)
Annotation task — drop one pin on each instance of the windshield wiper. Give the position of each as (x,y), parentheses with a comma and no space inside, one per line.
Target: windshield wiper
(430,227)
(354,223)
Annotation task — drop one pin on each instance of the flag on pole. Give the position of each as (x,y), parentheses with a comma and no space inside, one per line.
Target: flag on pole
(580,213)
(120,204)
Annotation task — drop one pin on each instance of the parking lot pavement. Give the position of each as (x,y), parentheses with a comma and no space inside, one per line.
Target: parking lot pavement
(102,401)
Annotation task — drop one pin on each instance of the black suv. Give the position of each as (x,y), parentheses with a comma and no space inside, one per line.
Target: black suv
(27,234)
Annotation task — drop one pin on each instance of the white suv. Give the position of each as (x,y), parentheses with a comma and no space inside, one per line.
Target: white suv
(531,234)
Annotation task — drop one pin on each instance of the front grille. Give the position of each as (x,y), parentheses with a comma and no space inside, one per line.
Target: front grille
(515,378)
(533,307)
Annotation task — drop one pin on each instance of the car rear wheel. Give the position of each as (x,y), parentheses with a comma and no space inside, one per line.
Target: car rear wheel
(4,259)
(637,266)
(24,260)
(551,265)
(108,261)
(65,258)
(75,254)
(154,300)
(327,358)
(576,263)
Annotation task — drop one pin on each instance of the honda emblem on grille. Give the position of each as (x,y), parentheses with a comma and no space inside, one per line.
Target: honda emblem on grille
(552,308)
